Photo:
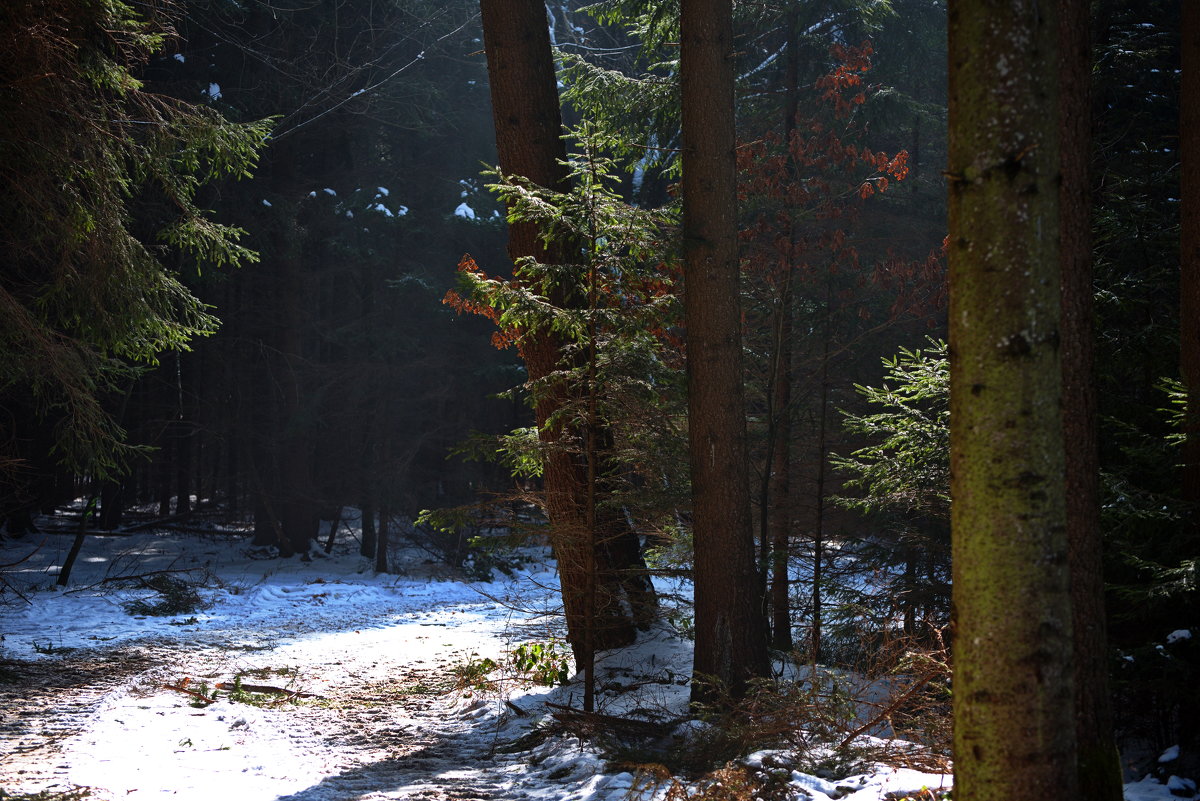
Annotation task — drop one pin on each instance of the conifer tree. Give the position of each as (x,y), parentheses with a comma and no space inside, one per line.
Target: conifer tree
(98,188)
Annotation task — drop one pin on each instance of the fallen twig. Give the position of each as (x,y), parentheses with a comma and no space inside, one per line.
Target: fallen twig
(142,576)
(892,707)
(263,688)
(181,687)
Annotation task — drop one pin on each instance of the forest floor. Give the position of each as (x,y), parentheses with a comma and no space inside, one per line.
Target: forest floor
(332,683)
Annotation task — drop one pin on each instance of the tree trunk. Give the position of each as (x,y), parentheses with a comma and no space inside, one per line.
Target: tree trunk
(1099,763)
(818,578)
(367,545)
(381,540)
(779,464)
(1014,724)
(731,644)
(183,427)
(528,125)
(1189,226)
(1189,223)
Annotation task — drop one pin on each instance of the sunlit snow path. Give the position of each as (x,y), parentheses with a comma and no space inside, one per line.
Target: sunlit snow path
(377,652)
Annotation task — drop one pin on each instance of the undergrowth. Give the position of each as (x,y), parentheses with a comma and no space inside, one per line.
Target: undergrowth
(175,597)
(73,794)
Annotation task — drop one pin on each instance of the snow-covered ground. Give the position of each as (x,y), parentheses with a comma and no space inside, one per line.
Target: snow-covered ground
(361,695)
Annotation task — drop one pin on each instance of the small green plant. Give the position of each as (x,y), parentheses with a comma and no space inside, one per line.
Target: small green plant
(257,695)
(545,663)
(473,673)
(49,648)
(203,695)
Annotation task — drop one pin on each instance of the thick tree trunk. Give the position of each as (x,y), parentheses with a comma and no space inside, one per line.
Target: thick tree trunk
(731,643)
(1099,764)
(528,125)
(1014,724)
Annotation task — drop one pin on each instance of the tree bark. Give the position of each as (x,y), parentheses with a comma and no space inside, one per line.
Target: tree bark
(731,644)
(1189,295)
(528,124)
(778,505)
(1189,225)
(1099,764)
(1014,725)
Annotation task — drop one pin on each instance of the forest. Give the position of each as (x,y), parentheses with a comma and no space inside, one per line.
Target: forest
(838,357)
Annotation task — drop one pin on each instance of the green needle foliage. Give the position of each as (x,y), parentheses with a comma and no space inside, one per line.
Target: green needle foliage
(906,467)
(614,308)
(99,182)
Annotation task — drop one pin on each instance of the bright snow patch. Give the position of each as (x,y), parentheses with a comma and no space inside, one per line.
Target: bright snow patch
(214,91)
(464,211)
(179,57)
(266,203)
(1148,789)
(382,190)
(382,209)
(1179,635)
(1170,755)
(329,192)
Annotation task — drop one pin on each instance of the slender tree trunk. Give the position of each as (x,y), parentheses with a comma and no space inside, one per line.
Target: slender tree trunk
(731,644)
(183,426)
(1014,723)
(1099,763)
(779,508)
(818,579)
(779,489)
(1189,224)
(381,540)
(367,545)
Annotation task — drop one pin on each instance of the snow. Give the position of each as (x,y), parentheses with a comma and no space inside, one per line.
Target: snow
(1179,635)
(214,91)
(1170,755)
(179,57)
(464,211)
(375,654)
(1181,787)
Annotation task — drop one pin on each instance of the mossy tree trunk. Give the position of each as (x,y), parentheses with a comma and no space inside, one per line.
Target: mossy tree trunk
(1014,725)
